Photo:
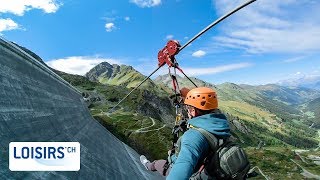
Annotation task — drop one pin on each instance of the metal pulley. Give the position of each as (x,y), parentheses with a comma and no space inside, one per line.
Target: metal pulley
(166,55)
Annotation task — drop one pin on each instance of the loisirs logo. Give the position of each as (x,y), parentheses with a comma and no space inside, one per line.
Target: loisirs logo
(39,153)
(44,156)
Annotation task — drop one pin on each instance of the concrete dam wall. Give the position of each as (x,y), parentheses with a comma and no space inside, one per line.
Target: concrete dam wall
(37,105)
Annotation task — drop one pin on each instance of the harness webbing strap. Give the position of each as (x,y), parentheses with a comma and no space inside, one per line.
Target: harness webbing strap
(186,76)
(174,83)
(166,166)
(212,140)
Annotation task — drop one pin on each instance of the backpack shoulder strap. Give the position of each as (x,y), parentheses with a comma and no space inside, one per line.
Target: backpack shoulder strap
(178,146)
(212,140)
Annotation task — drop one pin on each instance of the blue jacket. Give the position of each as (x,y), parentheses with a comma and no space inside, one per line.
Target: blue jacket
(194,145)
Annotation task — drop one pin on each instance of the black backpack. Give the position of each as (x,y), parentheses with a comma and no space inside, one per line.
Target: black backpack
(226,160)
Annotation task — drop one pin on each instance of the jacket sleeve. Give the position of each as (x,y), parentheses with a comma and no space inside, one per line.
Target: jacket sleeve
(193,147)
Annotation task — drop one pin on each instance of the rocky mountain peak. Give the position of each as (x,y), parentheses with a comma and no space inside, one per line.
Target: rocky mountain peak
(102,68)
(104,64)
(107,70)
(115,74)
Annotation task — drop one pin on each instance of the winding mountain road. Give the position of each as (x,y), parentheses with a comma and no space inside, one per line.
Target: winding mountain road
(297,152)
(142,130)
(306,173)
(319,141)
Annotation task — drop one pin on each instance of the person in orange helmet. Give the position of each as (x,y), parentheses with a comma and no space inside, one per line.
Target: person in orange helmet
(202,106)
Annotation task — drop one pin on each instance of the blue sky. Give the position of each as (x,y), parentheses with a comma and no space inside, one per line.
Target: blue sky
(267,42)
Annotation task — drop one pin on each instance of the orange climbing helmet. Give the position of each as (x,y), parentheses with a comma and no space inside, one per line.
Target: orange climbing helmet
(202,98)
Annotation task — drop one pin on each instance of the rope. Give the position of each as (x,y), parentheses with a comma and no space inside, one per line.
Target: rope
(186,76)
(175,74)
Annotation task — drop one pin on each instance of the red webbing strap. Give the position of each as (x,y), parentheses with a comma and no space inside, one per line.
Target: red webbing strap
(179,69)
(174,83)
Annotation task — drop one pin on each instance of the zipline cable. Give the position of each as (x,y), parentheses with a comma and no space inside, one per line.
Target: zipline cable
(217,22)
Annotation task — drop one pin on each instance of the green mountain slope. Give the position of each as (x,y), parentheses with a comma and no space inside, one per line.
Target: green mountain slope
(314,106)
(143,101)
(287,95)
(267,100)
(120,75)
(183,81)
(311,111)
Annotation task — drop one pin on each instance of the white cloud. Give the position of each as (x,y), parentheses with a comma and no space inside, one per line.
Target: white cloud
(215,70)
(7,25)
(199,53)
(109,19)
(19,7)
(127,18)
(295,59)
(147,65)
(78,64)
(271,26)
(110,27)
(146,3)
(170,36)
(300,79)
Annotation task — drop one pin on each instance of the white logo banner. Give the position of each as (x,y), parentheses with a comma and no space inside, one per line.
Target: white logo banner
(44,156)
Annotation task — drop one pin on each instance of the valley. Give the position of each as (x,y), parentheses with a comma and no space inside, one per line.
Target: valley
(267,115)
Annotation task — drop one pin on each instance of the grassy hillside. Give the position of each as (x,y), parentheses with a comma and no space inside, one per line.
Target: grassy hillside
(122,75)
(183,82)
(287,95)
(146,135)
(314,106)
(311,112)
(280,163)
(77,80)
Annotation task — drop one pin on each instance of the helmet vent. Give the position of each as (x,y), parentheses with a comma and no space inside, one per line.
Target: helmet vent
(209,95)
(203,103)
(203,97)
(198,95)
(193,97)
